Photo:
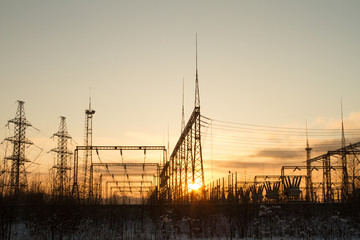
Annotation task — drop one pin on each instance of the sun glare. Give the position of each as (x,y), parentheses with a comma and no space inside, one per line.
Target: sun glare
(194,186)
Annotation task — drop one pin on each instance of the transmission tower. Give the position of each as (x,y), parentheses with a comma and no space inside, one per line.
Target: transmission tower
(61,181)
(88,153)
(18,181)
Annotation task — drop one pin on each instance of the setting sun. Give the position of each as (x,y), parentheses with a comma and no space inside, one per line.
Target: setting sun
(194,186)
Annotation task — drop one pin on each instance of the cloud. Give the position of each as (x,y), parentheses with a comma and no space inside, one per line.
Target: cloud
(234,164)
(277,153)
(252,165)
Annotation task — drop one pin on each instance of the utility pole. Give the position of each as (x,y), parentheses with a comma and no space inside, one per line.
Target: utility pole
(18,180)
(61,180)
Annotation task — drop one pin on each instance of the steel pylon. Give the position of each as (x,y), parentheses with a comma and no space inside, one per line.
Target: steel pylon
(18,181)
(61,182)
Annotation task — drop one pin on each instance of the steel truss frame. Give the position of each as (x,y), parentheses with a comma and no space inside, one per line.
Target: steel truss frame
(126,175)
(185,167)
(327,166)
(75,188)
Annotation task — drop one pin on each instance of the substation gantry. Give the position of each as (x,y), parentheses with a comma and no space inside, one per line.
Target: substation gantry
(342,154)
(288,186)
(182,178)
(157,166)
(128,182)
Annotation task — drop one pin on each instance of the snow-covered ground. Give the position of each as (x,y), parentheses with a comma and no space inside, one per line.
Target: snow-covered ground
(188,222)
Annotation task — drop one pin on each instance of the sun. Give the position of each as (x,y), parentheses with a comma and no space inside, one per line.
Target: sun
(194,186)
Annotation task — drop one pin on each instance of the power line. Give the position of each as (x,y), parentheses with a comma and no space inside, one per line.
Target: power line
(277,127)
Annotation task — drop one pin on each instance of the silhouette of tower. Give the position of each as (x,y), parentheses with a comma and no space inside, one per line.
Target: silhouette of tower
(88,153)
(197,164)
(309,186)
(345,177)
(185,170)
(61,180)
(197,92)
(18,180)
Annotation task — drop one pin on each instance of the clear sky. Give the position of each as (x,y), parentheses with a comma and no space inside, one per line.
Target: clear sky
(272,63)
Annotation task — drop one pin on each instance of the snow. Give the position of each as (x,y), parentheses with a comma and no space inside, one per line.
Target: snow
(211,222)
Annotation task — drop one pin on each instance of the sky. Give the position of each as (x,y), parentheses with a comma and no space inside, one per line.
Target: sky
(266,63)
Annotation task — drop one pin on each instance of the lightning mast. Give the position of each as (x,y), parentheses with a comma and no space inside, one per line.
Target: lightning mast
(18,180)
(197,164)
(345,177)
(183,176)
(88,153)
(61,181)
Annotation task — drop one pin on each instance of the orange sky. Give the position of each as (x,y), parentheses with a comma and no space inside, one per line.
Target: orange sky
(263,63)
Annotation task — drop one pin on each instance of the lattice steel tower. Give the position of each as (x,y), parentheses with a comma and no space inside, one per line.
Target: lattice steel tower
(182,178)
(62,180)
(88,153)
(197,164)
(18,181)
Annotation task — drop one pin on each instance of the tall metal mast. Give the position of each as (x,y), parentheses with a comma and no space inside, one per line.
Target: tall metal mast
(183,176)
(197,164)
(345,177)
(61,181)
(88,153)
(197,93)
(18,180)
